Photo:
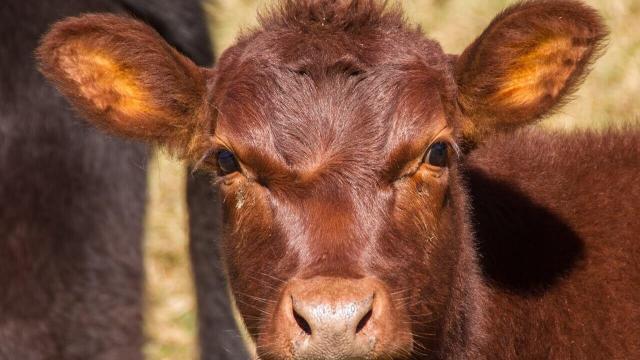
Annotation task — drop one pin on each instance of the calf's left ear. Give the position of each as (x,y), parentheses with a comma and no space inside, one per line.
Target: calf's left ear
(530,57)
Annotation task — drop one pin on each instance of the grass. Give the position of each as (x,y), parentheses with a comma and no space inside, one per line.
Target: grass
(170,323)
(607,98)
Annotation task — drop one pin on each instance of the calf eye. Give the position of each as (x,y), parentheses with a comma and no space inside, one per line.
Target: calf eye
(227,162)
(438,155)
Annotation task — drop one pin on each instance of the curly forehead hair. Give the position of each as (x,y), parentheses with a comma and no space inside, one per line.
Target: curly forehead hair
(332,14)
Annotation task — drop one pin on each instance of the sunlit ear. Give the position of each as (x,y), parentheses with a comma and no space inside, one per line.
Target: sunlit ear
(122,76)
(525,63)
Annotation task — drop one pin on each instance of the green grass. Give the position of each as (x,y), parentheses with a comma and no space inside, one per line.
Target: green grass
(607,98)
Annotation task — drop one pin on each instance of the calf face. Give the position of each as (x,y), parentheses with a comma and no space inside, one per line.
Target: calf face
(335,133)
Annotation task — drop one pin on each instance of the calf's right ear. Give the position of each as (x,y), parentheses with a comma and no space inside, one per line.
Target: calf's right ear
(123,77)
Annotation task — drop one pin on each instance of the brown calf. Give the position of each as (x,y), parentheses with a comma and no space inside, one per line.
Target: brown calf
(374,204)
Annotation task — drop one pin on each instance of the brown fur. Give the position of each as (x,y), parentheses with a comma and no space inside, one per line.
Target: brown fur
(559,243)
(330,107)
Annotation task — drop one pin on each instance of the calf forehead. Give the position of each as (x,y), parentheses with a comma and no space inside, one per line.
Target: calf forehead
(345,102)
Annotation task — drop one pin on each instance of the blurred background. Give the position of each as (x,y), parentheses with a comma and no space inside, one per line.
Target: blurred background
(607,98)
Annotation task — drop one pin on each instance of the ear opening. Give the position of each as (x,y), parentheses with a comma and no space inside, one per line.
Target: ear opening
(123,77)
(526,63)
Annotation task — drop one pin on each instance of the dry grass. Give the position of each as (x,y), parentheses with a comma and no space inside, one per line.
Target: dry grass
(170,317)
(608,97)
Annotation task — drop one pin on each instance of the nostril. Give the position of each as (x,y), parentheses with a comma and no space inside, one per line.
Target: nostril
(363,322)
(302,323)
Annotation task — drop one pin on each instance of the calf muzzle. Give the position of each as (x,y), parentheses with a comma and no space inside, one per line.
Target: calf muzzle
(336,318)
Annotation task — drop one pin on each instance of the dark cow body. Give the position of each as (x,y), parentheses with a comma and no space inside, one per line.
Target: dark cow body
(217,328)
(378,199)
(72,220)
(73,202)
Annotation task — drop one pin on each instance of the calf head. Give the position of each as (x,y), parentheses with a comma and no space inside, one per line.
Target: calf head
(335,134)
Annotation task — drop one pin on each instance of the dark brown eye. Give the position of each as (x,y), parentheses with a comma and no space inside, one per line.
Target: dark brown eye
(227,162)
(438,155)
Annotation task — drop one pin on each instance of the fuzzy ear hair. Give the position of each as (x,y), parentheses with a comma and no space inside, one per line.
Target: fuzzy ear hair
(123,77)
(525,63)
